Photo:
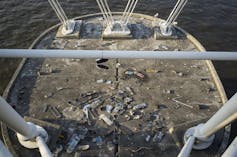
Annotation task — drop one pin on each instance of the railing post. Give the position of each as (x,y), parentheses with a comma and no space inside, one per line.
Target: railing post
(205,133)
(26,131)
(220,119)
(13,120)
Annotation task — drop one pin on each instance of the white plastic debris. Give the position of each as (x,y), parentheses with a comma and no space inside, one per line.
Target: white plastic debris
(140,106)
(109,108)
(106,119)
(100,81)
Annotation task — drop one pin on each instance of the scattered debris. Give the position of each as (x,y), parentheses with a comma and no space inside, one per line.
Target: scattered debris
(100,81)
(151,71)
(75,139)
(110,146)
(49,95)
(109,108)
(140,75)
(45,108)
(181,103)
(148,137)
(98,140)
(140,106)
(137,74)
(118,107)
(130,90)
(77,154)
(158,137)
(203,107)
(139,149)
(73,113)
(58,150)
(83,147)
(73,142)
(54,110)
(106,119)
(128,100)
(59,88)
(109,82)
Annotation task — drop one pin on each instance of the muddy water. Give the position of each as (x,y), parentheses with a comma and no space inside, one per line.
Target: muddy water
(213,23)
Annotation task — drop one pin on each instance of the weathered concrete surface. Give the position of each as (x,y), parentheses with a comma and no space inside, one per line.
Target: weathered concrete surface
(177,94)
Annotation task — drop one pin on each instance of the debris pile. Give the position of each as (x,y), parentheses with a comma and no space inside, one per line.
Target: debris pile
(109,112)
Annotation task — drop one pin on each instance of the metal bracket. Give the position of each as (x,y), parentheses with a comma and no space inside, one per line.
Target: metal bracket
(117,30)
(201,142)
(71,30)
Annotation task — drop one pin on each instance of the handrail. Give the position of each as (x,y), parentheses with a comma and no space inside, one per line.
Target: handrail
(115,54)
(26,131)
(205,133)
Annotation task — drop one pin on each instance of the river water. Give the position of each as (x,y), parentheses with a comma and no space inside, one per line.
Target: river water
(212,22)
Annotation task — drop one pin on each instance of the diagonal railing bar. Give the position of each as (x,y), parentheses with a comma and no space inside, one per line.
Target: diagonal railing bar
(109,11)
(126,10)
(166,26)
(59,11)
(130,13)
(106,12)
(176,11)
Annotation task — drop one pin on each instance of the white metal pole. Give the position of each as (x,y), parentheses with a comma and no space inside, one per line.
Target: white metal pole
(4,152)
(231,150)
(114,54)
(13,120)
(219,120)
(43,148)
(187,148)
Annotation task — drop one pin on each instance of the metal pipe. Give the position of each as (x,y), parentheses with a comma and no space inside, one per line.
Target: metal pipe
(43,148)
(130,14)
(231,150)
(13,120)
(176,11)
(187,148)
(219,120)
(114,54)
(4,152)
(166,26)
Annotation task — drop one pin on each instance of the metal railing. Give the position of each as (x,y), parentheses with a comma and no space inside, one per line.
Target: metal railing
(203,133)
(116,54)
(166,27)
(25,131)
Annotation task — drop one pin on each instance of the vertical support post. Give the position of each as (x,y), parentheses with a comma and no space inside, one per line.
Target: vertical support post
(43,148)
(231,150)
(4,152)
(166,27)
(187,148)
